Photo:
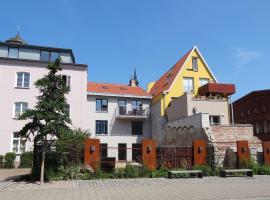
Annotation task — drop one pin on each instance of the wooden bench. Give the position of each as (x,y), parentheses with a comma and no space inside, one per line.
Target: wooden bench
(172,173)
(225,172)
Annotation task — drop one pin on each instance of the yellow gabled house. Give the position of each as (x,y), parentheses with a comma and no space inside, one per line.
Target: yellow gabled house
(186,76)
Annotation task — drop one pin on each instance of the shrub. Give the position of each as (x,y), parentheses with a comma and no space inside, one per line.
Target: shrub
(9,160)
(207,171)
(159,173)
(26,160)
(131,171)
(71,147)
(1,161)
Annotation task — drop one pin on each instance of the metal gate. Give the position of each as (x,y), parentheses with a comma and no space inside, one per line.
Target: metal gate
(171,157)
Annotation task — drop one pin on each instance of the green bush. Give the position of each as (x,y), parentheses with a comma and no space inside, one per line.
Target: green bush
(207,171)
(159,173)
(26,160)
(9,160)
(1,161)
(131,171)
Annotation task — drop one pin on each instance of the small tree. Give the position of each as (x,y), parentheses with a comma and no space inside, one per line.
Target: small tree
(49,118)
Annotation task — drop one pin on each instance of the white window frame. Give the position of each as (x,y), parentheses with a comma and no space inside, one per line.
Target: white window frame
(21,108)
(19,139)
(68,80)
(189,90)
(23,80)
(203,80)
(211,120)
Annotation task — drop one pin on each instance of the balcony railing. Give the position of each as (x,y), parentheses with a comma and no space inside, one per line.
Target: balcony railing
(132,113)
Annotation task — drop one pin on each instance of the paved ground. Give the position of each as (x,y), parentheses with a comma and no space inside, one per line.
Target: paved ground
(10,174)
(241,188)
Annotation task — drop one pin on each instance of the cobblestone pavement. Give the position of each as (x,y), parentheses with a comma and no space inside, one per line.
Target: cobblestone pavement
(212,188)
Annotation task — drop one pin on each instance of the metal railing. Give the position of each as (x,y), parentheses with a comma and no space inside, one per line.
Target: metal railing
(132,112)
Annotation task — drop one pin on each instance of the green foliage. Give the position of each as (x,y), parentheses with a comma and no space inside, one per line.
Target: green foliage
(26,160)
(9,160)
(131,171)
(1,161)
(71,147)
(159,173)
(207,171)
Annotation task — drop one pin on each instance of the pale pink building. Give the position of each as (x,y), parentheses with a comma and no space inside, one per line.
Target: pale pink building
(20,66)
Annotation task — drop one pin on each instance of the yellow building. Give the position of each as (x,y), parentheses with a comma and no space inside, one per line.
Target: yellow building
(186,76)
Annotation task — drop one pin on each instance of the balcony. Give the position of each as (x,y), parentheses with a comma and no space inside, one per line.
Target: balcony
(123,112)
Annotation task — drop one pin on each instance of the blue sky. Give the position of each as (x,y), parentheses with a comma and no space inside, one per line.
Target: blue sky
(114,36)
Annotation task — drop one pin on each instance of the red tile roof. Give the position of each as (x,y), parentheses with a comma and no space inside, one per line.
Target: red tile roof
(118,89)
(166,80)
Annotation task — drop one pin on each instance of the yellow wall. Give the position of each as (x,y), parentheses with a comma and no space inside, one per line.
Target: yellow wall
(186,71)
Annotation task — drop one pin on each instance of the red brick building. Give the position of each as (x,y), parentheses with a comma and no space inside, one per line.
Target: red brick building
(254,108)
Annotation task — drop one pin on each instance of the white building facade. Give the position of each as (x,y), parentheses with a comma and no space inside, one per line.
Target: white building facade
(118,115)
(21,65)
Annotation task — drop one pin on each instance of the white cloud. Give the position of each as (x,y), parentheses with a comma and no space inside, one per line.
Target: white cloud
(246,56)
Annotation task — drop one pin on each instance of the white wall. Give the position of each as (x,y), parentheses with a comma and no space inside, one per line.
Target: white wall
(119,130)
(9,95)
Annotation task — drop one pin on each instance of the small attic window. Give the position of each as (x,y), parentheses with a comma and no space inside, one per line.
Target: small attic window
(105,87)
(123,88)
(195,64)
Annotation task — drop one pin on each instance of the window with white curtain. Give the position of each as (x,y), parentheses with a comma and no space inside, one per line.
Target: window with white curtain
(20,108)
(18,144)
(188,83)
(23,80)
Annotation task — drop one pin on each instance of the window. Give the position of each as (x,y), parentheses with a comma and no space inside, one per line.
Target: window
(20,108)
(203,81)
(122,151)
(45,56)
(104,150)
(101,127)
(188,84)
(122,107)
(102,105)
(54,56)
(67,110)
(195,64)
(136,128)
(137,106)
(13,53)
(214,120)
(137,152)
(18,144)
(23,79)
(66,79)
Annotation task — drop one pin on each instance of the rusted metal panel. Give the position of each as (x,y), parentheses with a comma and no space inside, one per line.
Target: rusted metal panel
(266,152)
(199,152)
(92,153)
(243,153)
(217,88)
(149,153)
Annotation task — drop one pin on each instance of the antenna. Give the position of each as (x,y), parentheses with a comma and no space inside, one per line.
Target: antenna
(18,29)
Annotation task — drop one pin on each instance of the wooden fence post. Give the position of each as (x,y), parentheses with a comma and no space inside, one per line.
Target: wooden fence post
(243,153)
(266,152)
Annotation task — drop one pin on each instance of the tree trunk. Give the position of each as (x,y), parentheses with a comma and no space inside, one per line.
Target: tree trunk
(42,165)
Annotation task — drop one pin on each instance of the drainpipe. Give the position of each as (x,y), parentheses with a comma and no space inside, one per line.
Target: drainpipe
(231,106)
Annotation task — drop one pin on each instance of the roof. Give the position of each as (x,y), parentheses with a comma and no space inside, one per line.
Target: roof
(116,90)
(252,94)
(17,39)
(217,88)
(166,80)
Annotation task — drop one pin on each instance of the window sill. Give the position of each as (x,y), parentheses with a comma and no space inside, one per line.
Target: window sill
(101,134)
(22,87)
(101,111)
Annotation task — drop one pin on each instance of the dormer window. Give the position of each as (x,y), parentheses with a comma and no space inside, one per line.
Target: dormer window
(45,56)
(13,53)
(54,56)
(195,64)
(23,79)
